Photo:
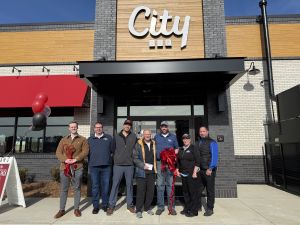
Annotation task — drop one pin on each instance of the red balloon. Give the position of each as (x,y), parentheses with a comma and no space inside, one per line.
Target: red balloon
(43,97)
(38,106)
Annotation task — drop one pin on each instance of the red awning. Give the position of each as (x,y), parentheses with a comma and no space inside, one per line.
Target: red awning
(62,90)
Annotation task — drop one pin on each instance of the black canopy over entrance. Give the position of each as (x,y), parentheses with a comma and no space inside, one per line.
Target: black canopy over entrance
(153,76)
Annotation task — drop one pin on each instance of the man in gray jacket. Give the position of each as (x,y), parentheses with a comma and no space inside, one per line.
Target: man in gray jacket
(124,144)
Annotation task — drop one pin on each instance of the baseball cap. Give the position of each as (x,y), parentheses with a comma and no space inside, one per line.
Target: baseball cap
(129,122)
(164,123)
(186,136)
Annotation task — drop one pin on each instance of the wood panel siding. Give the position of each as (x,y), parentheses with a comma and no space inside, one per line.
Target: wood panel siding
(133,48)
(46,46)
(245,40)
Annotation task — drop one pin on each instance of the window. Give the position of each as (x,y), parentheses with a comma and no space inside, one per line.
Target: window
(161,110)
(27,141)
(6,134)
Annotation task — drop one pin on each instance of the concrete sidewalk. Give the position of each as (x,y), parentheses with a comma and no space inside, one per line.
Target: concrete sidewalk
(256,204)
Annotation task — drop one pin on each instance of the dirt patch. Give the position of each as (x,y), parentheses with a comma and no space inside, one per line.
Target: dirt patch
(49,189)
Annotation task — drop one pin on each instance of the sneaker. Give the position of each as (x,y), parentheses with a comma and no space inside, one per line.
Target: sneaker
(131,209)
(150,212)
(109,211)
(139,215)
(159,211)
(60,214)
(208,212)
(77,213)
(95,211)
(173,212)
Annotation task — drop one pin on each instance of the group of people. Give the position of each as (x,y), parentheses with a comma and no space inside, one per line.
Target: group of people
(111,158)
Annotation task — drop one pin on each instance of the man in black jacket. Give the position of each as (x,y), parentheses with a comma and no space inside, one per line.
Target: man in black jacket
(145,163)
(124,144)
(208,149)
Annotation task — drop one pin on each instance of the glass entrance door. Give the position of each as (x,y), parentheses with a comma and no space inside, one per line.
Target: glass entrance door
(176,126)
(181,118)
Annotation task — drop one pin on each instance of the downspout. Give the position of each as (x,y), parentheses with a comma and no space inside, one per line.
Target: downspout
(263,7)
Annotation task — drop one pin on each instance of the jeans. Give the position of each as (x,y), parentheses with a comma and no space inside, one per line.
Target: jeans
(118,172)
(100,176)
(64,187)
(164,180)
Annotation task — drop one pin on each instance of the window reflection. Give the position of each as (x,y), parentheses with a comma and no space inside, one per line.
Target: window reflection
(53,136)
(6,139)
(27,141)
(161,110)
(7,121)
(199,110)
(122,111)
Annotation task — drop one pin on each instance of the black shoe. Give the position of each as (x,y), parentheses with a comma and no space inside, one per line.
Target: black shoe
(95,211)
(104,208)
(208,212)
(159,211)
(190,214)
(183,212)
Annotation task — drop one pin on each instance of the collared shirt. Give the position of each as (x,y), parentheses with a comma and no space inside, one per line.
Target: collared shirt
(170,141)
(99,136)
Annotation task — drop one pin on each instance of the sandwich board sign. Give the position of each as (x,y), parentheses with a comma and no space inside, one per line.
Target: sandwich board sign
(10,182)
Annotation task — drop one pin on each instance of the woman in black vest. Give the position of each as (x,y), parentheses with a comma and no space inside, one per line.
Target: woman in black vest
(188,167)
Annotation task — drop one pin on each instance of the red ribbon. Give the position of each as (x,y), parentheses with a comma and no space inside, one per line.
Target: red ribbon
(69,169)
(169,158)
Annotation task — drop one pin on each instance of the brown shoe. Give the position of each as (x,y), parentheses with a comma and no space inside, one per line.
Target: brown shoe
(60,214)
(77,213)
(131,209)
(109,211)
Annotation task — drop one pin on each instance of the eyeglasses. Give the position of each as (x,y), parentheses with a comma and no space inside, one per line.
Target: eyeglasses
(98,127)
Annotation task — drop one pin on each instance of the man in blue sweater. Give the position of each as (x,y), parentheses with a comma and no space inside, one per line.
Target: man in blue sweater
(100,166)
(164,140)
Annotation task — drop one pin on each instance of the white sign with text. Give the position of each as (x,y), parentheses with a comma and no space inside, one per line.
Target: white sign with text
(163,20)
(10,182)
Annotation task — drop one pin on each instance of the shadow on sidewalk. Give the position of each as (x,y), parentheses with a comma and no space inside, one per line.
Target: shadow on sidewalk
(29,202)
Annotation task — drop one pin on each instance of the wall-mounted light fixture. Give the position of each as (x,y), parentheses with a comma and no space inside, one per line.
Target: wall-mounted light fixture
(252,69)
(16,69)
(75,68)
(46,69)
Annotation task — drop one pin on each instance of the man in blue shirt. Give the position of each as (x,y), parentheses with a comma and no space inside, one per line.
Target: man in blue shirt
(100,166)
(208,149)
(164,140)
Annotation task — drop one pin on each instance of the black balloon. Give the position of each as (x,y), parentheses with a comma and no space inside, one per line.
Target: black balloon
(39,121)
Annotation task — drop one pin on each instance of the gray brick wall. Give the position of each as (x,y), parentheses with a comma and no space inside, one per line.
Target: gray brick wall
(214,28)
(104,46)
(105,33)
(220,124)
(37,164)
(250,169)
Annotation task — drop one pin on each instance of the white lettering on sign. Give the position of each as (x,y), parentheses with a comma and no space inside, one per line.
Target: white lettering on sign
(164,18)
